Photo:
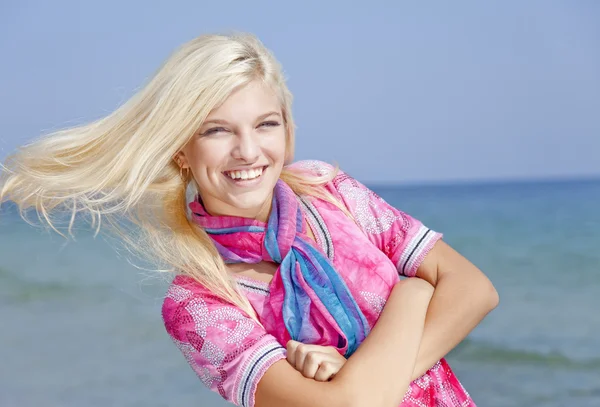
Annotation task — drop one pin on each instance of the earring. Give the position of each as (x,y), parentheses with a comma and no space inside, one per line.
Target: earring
(179,163)
(187,174)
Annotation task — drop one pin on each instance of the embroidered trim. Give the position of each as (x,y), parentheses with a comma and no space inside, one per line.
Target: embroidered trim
(256,366)
(318,224)
(253,286)
(414,250)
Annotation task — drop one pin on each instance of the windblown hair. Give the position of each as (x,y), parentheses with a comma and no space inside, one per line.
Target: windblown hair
(121,166)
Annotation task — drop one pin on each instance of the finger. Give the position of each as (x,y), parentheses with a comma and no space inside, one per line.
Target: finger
(302,351)
(330,350)
(333,358)
(291,347)
(311,364)
(296,352)
(327,370)
(300,355)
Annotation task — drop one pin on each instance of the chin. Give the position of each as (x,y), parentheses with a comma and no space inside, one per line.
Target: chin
(255,202)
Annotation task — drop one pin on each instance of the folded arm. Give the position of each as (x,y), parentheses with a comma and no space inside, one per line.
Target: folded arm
(463,296)
(414,331)
(377,374)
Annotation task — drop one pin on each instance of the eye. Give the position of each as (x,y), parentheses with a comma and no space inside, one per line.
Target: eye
(214,130)
(269,124)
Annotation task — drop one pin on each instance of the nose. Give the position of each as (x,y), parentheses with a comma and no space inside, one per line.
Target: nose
(247,148)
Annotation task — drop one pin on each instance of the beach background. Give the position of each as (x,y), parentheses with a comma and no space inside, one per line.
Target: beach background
(479,118)
(82,327)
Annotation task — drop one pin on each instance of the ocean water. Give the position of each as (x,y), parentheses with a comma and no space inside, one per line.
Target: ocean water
(81,326)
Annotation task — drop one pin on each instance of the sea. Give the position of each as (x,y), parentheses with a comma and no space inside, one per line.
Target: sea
(81,322)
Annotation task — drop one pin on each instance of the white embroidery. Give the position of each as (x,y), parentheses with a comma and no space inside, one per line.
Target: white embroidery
(373,218)
(318,167)
(204,318)
(212,353)
(203,373)
(178,294)
(376,302)
(236,328)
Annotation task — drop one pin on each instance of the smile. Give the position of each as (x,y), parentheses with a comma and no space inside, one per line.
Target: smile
(249,174)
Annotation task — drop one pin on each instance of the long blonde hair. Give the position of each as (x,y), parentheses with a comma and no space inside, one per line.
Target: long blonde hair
(120,169)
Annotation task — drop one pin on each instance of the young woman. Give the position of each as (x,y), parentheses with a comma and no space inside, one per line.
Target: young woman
(287,287)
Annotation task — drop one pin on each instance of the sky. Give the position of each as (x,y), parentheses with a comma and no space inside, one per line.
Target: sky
(394,92)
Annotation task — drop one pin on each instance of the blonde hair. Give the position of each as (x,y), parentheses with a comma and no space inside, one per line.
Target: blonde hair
(121,167)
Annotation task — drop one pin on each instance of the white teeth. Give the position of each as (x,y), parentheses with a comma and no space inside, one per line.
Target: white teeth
(245,175)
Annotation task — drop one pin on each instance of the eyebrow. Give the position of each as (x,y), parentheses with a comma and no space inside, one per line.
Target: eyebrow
(261,117)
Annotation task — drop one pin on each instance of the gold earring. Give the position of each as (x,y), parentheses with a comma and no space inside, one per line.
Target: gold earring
(179,163)
(187,174)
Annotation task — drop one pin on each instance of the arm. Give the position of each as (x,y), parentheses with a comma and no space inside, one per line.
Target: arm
(463,296)
(377,374)
(235,357)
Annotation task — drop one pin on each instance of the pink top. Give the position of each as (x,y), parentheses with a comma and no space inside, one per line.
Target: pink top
(230,352)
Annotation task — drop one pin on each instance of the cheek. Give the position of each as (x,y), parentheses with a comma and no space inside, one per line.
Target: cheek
(276,148)
(205,157)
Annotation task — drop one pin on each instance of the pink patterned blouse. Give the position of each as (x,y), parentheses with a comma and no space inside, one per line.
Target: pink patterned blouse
(230,352)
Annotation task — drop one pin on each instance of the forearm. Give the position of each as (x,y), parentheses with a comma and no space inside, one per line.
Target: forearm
(380,371)
(458,305)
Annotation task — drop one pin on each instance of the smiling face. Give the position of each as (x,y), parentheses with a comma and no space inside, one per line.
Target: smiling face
(237,155)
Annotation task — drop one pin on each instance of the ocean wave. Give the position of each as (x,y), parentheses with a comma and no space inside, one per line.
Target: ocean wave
(476,351)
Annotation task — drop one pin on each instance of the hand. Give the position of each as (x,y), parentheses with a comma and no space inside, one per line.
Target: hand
(313,361)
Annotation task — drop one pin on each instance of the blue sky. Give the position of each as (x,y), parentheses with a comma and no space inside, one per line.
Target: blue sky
(392,91)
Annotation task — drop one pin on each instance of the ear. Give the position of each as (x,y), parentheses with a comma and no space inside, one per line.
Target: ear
(181,159)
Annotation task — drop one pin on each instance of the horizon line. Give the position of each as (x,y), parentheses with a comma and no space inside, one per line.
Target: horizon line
(554,179)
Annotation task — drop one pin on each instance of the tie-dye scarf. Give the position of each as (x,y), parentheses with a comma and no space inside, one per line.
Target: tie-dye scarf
(308,277)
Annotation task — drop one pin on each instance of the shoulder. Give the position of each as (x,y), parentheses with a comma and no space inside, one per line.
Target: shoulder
(319,173)
(183,295)
(182,288)
(311,167)
(189,306)
(226,348)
